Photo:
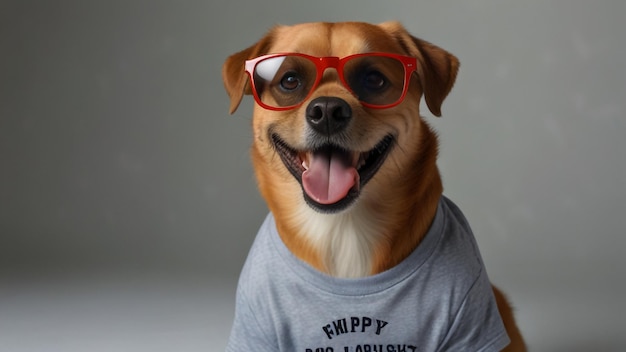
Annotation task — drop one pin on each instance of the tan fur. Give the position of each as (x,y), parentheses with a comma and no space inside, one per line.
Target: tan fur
(397,217)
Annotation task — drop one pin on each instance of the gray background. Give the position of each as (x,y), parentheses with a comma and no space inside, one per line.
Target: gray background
(127,201)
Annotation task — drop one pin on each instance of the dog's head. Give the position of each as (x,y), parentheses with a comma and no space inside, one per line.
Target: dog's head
(336,117)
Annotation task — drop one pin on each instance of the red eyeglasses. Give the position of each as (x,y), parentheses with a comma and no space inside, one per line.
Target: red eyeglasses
(284,81)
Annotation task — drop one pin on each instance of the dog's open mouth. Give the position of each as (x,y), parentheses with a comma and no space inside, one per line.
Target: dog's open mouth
(331,176)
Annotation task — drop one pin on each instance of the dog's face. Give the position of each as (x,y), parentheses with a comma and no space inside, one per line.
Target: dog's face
(321,137)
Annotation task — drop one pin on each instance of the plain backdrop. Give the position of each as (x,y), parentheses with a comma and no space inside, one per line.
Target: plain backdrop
(128,203)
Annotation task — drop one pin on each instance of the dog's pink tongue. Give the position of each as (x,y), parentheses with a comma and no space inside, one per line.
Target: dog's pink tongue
(329,177)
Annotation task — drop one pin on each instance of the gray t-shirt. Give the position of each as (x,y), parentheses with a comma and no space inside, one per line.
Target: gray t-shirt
(437,299)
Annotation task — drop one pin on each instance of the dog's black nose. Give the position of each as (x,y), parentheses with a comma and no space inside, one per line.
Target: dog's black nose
(328,115)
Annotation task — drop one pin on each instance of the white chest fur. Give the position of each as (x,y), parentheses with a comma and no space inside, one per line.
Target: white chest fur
(346,240)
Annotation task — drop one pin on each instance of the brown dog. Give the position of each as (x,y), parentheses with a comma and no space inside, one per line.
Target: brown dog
(348,169)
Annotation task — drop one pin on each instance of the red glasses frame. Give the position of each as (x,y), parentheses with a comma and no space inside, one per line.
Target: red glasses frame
(321,64)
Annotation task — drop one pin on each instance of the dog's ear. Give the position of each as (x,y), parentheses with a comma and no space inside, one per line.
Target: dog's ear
(437,68)
(235,79)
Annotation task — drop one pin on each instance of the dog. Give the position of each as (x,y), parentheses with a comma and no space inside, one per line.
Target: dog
(361,251)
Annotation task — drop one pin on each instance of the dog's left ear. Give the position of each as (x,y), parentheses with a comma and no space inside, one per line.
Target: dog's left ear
(234,75)
(436,69)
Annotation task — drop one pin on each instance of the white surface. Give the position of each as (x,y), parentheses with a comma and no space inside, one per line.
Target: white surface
(101,314)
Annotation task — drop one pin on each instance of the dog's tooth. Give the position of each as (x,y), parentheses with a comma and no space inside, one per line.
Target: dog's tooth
(361,161)
(304,160)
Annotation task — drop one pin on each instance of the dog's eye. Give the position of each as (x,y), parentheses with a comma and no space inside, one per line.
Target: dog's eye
(374,81)
(290,81)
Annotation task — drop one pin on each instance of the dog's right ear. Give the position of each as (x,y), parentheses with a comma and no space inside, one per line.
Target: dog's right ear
(234,75)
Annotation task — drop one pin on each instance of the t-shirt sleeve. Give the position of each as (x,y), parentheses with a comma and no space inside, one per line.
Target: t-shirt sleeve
(247,333)
(477,325)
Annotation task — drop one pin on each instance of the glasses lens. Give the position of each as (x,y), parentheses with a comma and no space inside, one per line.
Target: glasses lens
(375,80)
(284,81)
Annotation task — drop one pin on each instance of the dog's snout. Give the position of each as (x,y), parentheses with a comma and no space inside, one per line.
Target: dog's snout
(328,115)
